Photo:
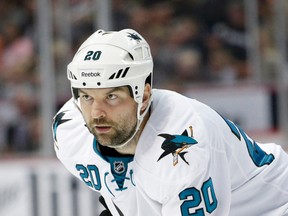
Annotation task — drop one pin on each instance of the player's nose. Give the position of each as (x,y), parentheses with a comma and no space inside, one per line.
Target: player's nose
(98,110)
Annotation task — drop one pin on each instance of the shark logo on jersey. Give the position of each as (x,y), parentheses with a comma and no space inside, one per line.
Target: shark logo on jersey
(175,144)
(58,120)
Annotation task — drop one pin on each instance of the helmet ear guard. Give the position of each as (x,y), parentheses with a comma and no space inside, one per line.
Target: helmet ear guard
(75,93)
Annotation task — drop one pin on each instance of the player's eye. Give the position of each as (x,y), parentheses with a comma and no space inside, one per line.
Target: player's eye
(86,97)
(112,97)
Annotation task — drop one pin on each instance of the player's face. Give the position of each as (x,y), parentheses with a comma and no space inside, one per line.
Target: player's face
(110,114)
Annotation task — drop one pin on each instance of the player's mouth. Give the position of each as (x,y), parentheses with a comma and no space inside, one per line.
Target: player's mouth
(102,129)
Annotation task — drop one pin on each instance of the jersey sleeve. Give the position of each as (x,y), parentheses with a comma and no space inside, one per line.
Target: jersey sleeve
(72,140)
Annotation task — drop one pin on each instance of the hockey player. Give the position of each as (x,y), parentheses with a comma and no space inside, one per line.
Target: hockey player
(170,156)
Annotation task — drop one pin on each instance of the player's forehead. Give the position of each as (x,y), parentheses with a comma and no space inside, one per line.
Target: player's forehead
(104,91)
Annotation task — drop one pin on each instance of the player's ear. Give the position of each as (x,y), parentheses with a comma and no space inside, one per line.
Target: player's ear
(146,96)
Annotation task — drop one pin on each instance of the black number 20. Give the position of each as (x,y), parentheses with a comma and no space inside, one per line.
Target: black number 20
(92,55)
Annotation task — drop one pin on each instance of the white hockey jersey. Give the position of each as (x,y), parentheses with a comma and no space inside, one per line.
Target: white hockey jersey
(189,161)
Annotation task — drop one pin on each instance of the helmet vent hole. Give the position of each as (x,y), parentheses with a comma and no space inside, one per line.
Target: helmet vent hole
(98,83)
(84,84)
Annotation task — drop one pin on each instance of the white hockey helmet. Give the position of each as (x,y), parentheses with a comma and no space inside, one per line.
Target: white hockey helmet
(110,59)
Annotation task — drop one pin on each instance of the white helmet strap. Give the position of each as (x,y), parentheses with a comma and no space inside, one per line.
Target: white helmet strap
(140,118)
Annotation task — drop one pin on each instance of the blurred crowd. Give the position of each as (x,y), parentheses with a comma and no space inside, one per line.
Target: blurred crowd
(192,42)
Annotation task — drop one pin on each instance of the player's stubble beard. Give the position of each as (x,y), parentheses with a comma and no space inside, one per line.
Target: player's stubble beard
(120,132)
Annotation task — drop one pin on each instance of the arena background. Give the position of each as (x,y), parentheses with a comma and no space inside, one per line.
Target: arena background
(230,54)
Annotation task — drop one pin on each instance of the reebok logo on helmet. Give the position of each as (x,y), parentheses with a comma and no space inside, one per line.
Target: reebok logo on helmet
(90,74)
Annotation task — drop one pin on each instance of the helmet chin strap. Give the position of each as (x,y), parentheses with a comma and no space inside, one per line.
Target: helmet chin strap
(140,118)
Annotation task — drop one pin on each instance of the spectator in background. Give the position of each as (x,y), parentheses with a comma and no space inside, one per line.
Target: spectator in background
(182,45)
(23,131)
(220,67)
(17,53)
(231,35)
(188,65)
(18,80)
